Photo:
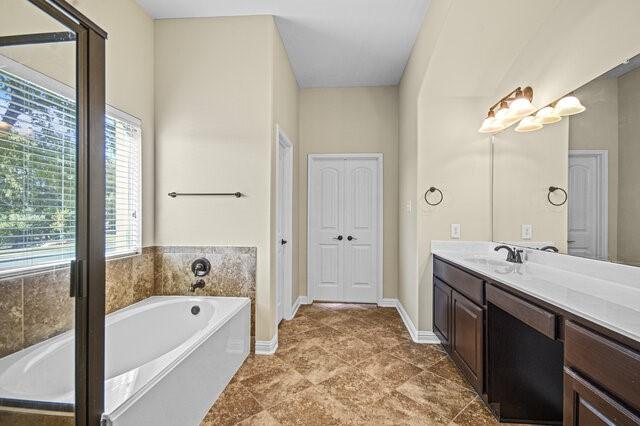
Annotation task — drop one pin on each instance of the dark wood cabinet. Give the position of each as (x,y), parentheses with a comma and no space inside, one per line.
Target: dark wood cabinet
(467,338)
(586,405)
(531,361)
(442,312)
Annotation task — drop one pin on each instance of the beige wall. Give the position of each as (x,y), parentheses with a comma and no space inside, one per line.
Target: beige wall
(629,133)
(353,120)
(129,69)
(222,84)
(597,128)
(285,116)
(213,133)
(525,165)
(469,66)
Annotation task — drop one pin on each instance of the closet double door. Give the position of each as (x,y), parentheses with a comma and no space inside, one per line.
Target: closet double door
(344,239)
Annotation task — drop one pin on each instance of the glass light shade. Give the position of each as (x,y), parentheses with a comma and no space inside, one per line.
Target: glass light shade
(528,124)
(547,115)
(521,107)
(504,117)
(569,105)
(490,125)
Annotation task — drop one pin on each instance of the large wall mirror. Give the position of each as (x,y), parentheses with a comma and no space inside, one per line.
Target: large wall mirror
(592,159)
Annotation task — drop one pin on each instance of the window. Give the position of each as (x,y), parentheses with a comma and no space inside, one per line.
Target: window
(38,173)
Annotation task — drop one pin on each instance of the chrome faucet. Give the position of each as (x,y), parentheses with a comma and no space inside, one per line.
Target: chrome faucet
(198,284)
(514,255)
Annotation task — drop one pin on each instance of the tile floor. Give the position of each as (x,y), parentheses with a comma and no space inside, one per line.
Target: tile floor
(348,364)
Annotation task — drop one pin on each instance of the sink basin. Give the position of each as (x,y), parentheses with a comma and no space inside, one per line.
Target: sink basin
(486,260)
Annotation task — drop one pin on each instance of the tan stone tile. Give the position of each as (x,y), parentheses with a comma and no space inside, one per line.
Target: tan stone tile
(326,316)
(352,326)
(420,355)
(388,369)
(234,404)
(447,369)
(315,364)
(343,306)
(475,414)
(322,336)
(299,324)
(11,314)
(314,407)
(352,350)
(255,364)
(354,389)
(48,309)
(444,398)
(263,418)
(14,418)
(397,409)
(382,339)
(273,385)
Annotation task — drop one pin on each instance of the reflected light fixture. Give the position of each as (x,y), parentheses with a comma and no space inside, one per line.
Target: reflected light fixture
(491,124)
(5,126)
(569,105)
(528,124)
(547,115)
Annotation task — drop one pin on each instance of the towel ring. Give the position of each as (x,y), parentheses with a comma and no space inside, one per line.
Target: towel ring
(433,189)
(554,189)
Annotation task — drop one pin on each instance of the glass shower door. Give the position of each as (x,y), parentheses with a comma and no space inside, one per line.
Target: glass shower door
(38,216)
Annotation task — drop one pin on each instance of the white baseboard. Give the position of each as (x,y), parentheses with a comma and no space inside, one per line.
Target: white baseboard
(388,303)
(267,347)
(418,336)
(294,310)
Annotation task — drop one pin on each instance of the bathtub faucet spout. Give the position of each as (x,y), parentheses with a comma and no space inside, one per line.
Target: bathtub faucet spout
(198,284)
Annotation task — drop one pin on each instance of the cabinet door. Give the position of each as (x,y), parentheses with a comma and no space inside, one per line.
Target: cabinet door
(442,312)
(467,339)
(587,405)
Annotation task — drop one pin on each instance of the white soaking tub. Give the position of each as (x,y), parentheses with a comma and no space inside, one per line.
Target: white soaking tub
(167,360)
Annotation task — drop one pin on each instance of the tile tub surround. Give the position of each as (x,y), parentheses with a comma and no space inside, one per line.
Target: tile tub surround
(348,364)
(233,272)
(607,294)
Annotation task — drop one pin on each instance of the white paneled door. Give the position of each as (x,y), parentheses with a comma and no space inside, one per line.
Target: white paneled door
(345,216)
(587,204)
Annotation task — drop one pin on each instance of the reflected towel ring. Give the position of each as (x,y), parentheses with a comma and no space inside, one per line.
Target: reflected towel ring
(553,189)
(433,189)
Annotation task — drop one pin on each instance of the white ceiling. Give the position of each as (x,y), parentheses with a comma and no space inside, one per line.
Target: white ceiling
(330,43)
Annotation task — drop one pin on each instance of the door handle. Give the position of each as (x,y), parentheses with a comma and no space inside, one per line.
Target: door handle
(351,238)
(283,242)
(339,238)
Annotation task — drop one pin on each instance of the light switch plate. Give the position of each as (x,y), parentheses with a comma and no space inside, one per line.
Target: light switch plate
(527,231)
(408,206)
(455,231)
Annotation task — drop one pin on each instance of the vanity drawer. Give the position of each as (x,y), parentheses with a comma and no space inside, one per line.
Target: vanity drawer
(530,314)
(614,367)
(464,283)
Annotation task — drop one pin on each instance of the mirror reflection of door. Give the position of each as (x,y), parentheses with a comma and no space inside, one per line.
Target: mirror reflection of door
(587,204)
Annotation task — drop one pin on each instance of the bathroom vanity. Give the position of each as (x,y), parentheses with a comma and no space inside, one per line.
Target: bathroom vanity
(539,343)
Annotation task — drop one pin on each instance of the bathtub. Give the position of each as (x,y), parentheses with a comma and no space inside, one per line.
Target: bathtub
(167,359)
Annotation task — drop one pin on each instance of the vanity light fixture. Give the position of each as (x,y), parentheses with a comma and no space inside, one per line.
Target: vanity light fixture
(491,124)
(547,115)
(521,105)
(569,105)
(508,110)
(529,124)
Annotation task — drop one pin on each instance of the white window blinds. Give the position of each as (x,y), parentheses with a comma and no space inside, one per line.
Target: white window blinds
(38,173)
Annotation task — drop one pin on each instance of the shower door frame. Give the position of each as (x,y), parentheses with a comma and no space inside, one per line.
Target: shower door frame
(88,269)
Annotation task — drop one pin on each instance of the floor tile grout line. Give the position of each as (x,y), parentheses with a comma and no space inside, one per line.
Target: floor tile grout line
(464,408)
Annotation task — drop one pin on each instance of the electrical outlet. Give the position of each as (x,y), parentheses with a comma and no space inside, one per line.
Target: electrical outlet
(455,231)
(408,206)
(527,231)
